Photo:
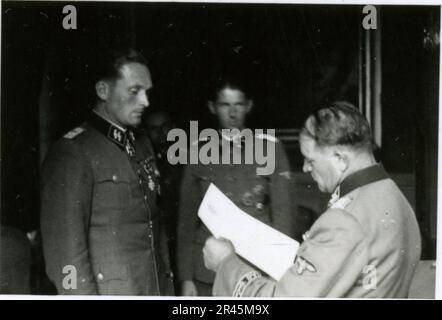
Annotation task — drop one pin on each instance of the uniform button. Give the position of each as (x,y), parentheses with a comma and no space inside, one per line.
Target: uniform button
(100,276)
(259,206)
(115,178)
(145,197)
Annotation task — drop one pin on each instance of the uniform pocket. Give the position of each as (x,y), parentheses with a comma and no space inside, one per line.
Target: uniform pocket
(113,279)
(112,272)
(255,195)
(112,189)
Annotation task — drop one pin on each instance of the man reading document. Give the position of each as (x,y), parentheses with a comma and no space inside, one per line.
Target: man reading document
(365,245)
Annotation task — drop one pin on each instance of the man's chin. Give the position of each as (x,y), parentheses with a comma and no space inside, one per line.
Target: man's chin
(231,125)
(135,122)
(321,188)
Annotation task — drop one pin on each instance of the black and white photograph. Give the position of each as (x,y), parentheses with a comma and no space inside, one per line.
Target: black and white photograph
(213,150)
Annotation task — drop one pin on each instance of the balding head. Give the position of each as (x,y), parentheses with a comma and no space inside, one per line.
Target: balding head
(340,124)
(335,142)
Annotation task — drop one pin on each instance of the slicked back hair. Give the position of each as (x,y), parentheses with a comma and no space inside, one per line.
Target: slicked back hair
(108,68)
(340,124)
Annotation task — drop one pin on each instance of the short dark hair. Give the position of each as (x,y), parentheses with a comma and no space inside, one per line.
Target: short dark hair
(222,82)
(340,124)
(108,66)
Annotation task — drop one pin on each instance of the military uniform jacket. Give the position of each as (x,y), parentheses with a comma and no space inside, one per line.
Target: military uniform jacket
(265,197)
(366,245)
(99,214)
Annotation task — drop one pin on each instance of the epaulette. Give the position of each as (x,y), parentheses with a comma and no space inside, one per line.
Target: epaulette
(267,137)
(74,133)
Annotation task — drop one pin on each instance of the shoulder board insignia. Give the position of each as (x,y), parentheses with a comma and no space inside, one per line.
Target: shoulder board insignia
(267,137)
(286,174)
(74,132)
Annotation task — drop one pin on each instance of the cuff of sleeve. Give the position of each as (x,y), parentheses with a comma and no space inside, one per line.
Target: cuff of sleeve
(230,272)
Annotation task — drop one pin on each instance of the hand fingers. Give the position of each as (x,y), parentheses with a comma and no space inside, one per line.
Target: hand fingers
(209,241)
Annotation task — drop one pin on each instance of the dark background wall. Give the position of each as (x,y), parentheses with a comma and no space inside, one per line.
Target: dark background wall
(297,58)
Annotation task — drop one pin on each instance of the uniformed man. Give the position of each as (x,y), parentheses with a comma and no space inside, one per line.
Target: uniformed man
(99,218)
(265,197)
(366,245)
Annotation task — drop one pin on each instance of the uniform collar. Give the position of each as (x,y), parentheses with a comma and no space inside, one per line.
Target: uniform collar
(111,122)
(361,178)
(112,131)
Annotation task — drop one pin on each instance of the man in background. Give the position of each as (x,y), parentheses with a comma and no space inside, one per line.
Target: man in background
(268,198)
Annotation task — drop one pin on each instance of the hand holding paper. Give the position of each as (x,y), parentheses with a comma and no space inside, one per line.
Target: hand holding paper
(268,249)
(215,251)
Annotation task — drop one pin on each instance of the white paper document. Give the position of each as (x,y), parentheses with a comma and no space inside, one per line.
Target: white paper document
(267,248)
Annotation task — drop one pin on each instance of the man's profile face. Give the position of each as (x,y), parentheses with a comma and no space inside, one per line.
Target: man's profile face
(128,96)
(320,163)
(231,108)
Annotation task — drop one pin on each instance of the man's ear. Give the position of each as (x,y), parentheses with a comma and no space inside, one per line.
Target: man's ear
(250,105)
(102,89)
(342,160)
(211,107)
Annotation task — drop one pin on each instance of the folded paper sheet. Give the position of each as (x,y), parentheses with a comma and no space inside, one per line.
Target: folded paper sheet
(267,248)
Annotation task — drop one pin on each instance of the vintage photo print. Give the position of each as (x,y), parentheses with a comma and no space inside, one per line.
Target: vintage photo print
(210,150)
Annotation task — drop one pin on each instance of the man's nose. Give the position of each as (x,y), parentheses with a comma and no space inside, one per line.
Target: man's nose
(232,112)
(144,99)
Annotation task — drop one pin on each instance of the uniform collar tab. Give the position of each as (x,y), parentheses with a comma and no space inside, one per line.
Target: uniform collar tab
(113,132)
